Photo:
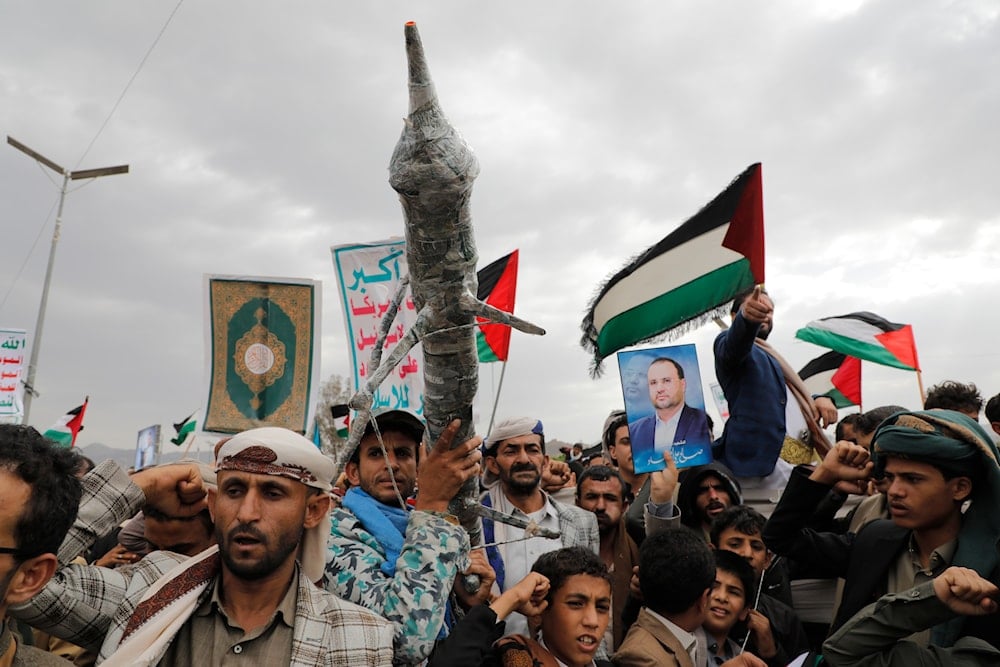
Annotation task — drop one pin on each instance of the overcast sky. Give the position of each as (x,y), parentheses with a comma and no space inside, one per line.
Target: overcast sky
(259,134)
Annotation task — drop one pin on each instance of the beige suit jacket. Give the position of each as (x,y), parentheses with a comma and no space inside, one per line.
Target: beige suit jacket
(650,644)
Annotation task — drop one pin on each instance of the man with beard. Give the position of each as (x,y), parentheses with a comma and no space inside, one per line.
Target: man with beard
(758,385)
(673,421)
(618,444)
(705,492)
(515,455)
(252,598)
(601,490)
(398,561)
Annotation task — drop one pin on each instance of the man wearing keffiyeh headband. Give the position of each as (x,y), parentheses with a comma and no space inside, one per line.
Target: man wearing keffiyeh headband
(943,493)
(253,596)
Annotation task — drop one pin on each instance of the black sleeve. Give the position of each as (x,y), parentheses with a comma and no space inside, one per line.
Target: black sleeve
(823,555)
(471,640)
(824,517)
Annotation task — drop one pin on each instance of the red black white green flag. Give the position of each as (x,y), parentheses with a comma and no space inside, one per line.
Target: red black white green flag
(866,336)
(687,278)
(836,376)
(69,425)
(341,414)
(184,429)
(497,284)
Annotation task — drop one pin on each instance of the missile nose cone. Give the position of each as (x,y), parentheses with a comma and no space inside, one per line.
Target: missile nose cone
(421,86)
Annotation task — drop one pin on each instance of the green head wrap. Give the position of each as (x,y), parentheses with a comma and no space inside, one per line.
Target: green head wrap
(945,438)
(957,445)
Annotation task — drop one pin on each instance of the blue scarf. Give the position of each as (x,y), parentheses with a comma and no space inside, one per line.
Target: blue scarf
(387,524)
(492,552)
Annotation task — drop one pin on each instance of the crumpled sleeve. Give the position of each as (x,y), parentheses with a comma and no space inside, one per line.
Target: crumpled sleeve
(414,599)
(733,345)
(109,498)
(873,637)
(80,601)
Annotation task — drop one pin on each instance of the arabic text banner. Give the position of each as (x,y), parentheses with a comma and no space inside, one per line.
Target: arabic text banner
(13,367)
(369,275)
(264,336)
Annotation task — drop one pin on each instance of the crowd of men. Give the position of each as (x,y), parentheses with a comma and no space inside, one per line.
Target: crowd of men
(265,557)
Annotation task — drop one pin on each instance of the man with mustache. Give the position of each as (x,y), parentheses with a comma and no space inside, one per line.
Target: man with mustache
(705,492)
(943,490)
(252,598)
(515,456)
(397,560)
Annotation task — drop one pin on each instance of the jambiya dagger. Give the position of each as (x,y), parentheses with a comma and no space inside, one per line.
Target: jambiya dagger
(432,169)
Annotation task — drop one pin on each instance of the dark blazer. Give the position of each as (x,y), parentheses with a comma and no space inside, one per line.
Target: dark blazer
(830,555)
(755,389)
(863,560)
(692,425)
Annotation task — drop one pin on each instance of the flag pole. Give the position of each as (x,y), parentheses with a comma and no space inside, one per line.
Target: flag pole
(861,401)
(920,384)
(194,436)
(496,397)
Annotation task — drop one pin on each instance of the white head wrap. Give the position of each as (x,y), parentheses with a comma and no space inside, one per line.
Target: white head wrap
(513,427)
(506,429)
(283,453)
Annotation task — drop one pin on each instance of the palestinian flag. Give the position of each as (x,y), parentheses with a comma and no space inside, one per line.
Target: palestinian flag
(836,376)
(184,429)
(64,431)
(497,284)
(341,417)
(866,336)
(687,278)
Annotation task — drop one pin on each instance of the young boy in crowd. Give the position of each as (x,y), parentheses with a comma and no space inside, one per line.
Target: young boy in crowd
(773,623)
(728,604)
(568,591)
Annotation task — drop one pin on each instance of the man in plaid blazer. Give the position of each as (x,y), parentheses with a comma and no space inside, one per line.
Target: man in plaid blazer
(271,513)
(515,458)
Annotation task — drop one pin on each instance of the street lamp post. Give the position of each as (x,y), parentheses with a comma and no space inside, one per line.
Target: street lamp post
(29,382)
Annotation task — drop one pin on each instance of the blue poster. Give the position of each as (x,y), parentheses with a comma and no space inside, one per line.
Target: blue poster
(665,406)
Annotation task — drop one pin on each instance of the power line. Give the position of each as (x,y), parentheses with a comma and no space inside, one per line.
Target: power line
(128,85)
(27,257)
(100,130)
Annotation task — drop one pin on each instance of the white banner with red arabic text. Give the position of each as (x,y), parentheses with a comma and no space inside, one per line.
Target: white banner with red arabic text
(13,367)
(369,275)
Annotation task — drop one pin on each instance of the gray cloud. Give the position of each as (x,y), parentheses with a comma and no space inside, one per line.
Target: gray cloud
(259,137)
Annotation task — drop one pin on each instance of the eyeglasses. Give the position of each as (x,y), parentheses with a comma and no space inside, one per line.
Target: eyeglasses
(10,550)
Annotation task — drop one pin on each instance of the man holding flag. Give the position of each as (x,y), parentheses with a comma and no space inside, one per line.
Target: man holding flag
(763,392)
